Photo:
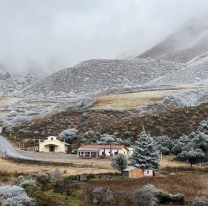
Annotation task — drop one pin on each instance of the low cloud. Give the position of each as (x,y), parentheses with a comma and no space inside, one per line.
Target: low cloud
(49,35)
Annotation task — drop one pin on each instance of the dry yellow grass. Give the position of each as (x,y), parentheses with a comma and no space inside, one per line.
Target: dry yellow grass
(166,161)
(130,100)
(7,100)
(21,168)
(41,103)
(127,101)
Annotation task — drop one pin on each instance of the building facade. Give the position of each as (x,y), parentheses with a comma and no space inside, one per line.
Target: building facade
(133,172)
(98,151)
(51,144)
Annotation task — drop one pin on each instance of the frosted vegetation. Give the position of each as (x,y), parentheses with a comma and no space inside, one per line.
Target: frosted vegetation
(193,147)
(99,75)
(25,181)
(106,139)
(145,154)
(119,162)
(68,135)
(14,196)
(194,72)
(11,86)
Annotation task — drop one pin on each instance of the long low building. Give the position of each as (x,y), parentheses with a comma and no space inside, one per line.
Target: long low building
(98,151)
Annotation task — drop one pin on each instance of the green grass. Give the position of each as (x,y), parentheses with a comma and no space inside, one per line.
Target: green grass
(118,177)
(73,200)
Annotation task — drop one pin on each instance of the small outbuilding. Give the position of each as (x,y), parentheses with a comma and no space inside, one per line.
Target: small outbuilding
(51,144)
(81,177)
(133,172)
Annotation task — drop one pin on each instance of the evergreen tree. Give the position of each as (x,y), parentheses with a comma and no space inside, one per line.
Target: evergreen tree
(145,155)
(203,127)
(191,155)
(177,149)
(120,162)
(164,144)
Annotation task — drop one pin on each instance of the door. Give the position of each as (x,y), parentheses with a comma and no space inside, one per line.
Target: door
(51,148)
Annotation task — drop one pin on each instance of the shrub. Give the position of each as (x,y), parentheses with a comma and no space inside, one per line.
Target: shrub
(144,197)
(72,177)
(56,177)
(42,178)
(163,197)
(89,134)
(25,181)
(200,201)
(39,196)
(90,175)
(69,134)
(14,196)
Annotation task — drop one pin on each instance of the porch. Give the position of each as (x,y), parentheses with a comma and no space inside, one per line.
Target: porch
(88,154)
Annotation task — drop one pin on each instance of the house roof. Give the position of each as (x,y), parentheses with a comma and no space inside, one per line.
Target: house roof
(88,149)
(132,168)
(129,169)
(83,147)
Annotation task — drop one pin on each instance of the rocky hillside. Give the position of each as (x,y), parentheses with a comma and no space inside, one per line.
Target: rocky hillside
(189,41)
(195,72)
(11,86)
(99,75)
(172,123)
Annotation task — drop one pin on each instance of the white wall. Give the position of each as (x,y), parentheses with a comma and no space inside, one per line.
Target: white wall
(107,151)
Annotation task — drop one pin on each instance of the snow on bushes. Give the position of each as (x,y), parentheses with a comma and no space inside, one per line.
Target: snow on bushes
(25,181)
(20,119)
(200,201)
(69,134)
(14,196)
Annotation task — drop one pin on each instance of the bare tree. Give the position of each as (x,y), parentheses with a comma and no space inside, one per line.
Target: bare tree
(56,177)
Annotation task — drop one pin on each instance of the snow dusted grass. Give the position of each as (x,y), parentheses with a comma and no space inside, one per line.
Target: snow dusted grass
(190,87)
(7,100)
(41,103)
(127,101)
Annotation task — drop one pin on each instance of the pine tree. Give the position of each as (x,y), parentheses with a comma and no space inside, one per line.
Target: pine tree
(145,155)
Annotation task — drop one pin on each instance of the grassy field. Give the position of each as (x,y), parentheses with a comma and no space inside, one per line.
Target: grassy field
(20,168)
(130,100)
(190,185)
(127,101)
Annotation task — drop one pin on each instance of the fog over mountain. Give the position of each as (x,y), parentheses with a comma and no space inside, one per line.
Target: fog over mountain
(49,35)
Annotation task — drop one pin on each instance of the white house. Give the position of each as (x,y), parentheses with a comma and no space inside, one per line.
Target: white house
(51,144)
(96,151)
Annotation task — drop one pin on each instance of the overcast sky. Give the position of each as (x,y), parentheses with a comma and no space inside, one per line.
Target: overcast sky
(49,35)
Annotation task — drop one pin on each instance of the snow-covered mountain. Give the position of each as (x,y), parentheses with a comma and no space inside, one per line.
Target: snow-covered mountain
(189,41)
(100,75)
(195,72)
(11,86)
(2,72)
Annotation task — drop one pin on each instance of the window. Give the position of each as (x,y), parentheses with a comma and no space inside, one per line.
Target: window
(51,138)
(147,171)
